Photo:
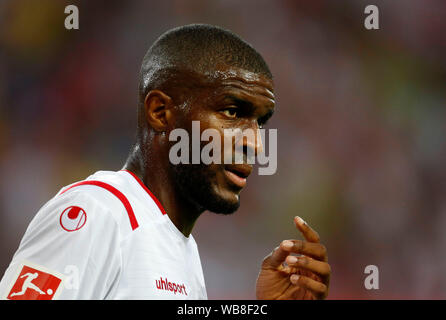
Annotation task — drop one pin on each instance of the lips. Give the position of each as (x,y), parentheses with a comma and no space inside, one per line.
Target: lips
(237,173)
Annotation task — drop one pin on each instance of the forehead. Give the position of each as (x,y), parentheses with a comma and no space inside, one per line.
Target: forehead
(243,84)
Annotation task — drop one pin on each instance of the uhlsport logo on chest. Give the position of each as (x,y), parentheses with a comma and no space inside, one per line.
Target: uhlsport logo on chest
(175,288)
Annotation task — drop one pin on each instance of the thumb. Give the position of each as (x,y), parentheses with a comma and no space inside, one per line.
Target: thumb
(279,254)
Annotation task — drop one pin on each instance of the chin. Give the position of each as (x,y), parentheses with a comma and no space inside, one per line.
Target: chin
(220,197)
(223,204)
(217,199)
(203,186)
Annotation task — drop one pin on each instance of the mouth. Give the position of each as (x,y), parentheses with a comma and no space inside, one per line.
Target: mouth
(238,173)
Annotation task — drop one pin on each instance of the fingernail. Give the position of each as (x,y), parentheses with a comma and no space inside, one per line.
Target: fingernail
(300,220)
(287,244)
(294,278)
(292,259)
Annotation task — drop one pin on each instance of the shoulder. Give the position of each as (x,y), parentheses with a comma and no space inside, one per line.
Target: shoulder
(92,204)
(76,228)
(76,212)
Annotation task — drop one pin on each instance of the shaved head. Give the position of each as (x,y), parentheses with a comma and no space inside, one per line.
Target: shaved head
(195,49)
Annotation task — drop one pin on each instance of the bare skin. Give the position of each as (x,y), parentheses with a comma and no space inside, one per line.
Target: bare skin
(306,277)
(233,99)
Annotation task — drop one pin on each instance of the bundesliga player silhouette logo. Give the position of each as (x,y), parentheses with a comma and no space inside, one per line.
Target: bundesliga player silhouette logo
(34,284)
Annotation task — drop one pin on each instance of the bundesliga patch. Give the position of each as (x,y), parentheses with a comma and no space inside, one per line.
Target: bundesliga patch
(34,284)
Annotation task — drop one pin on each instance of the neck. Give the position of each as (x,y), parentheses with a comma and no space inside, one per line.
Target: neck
(152,170)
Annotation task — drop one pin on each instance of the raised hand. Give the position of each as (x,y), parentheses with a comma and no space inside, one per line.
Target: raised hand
(285,276)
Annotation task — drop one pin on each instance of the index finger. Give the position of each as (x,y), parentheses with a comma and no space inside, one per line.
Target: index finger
(309,234)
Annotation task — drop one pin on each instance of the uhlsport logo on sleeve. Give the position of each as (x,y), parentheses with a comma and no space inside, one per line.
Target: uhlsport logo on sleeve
(73,218)
(34,284)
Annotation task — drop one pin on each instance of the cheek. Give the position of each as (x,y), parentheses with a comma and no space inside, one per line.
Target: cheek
(214,133)
(212,136)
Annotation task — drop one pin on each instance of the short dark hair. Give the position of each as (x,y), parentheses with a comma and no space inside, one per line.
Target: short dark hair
(197,48)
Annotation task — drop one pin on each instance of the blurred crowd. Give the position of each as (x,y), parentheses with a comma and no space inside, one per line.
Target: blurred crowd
(361,122)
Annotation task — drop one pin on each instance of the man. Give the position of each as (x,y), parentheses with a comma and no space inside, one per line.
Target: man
(127,234)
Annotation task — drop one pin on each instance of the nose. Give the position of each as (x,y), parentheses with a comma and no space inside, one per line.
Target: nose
(252,140)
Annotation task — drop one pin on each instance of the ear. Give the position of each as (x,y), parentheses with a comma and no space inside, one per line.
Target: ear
(157,105)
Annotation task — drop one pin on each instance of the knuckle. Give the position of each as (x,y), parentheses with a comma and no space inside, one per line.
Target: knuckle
(328,270)
(321,288)
(304,261)
(303,281)
(323,250)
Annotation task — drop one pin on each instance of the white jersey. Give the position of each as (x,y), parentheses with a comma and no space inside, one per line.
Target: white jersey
(106,237)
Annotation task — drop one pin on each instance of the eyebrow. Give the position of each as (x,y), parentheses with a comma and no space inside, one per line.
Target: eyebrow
(239,101)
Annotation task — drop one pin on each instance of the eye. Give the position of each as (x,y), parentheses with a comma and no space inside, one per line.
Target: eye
(261,123)
(264,119)
(230,112)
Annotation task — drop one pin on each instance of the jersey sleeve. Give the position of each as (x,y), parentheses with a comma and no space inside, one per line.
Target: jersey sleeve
(71,250)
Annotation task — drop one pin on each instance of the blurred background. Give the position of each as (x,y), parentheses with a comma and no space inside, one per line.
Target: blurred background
(361,122)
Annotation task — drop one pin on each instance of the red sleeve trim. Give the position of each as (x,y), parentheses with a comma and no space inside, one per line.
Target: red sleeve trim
(147,190)
(115,192)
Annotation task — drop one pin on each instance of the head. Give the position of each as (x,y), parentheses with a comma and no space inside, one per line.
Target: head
(207,74)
